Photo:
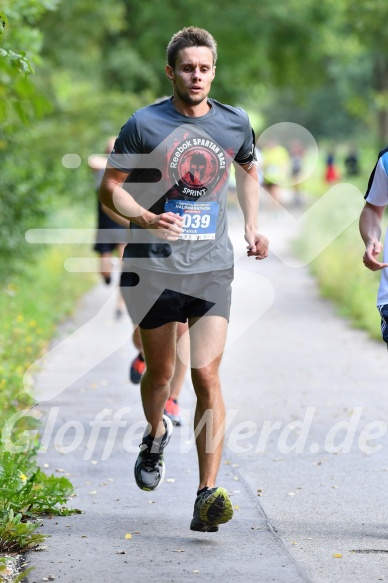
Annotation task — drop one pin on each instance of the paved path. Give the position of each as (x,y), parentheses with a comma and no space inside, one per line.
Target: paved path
(290,359)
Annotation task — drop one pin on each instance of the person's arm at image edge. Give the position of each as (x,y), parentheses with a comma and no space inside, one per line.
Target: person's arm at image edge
(370,230)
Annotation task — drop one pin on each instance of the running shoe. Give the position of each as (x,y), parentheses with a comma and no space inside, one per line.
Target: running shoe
(173,411)
(137,369)
(212,508)
(149,466)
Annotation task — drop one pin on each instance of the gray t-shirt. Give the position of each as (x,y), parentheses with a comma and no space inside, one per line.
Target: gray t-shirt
(184,168)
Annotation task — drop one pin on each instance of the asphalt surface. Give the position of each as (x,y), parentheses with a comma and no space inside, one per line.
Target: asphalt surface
(301,387)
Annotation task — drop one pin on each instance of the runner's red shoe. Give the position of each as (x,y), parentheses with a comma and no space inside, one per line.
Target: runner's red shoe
(173,411)
(137,369)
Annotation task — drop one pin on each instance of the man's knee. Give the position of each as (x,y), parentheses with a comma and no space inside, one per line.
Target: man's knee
(159,376)
(204,379)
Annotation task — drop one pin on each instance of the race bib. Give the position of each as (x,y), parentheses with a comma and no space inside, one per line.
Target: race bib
(200,218)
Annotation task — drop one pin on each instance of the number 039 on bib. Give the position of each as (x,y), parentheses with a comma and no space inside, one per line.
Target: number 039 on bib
(199,218)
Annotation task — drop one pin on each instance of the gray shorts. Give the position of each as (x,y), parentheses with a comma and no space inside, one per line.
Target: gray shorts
(154,298)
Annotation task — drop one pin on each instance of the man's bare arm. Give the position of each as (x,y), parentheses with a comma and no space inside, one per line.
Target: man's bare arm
(118,200)
(115,217)
(247,184)
(370,229)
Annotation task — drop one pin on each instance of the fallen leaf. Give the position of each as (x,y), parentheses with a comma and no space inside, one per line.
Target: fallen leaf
(128,535)
(236,507)
(337,556)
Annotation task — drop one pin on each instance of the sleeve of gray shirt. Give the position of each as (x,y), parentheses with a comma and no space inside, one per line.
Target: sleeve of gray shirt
(127,144)
(246,154)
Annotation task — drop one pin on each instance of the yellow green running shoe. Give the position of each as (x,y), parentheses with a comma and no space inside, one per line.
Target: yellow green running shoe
(212,508)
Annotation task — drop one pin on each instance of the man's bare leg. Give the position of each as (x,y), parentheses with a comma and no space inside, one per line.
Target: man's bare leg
(172,408)
(106,266)
(207,341)
(181,364)
(159,348)
(136,339)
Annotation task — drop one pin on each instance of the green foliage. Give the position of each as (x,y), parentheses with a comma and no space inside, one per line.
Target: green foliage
(16,535)
(26,492)
(20,46)
(25,179)
(33,494)
(30,308)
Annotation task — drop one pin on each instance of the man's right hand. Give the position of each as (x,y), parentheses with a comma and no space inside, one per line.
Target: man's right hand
(372,251)
(166,226)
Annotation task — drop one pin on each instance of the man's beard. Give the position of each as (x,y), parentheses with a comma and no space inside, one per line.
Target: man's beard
(190,100)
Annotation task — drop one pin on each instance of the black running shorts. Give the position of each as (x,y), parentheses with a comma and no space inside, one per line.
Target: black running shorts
(384,321)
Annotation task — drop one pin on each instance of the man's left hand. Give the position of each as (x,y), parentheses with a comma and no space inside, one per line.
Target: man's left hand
(257,246)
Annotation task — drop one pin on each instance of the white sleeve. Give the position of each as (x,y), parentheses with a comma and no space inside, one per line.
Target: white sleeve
(378,190)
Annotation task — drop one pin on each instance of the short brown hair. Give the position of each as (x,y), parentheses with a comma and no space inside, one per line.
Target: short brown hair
(190,36)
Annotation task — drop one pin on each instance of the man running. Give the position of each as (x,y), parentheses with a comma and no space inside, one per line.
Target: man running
(168,173)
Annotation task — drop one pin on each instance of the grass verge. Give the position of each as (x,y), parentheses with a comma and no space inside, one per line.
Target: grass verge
(32,304)
(339,270)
